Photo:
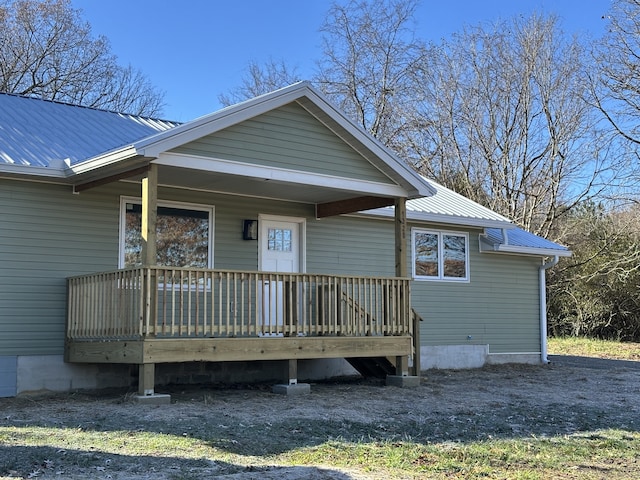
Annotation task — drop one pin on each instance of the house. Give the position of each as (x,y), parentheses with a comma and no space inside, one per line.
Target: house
(269,240)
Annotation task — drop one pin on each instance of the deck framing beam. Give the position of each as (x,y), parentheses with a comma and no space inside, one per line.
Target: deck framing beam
(168,350)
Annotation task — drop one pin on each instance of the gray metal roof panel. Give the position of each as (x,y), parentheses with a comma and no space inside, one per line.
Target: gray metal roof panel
(518,238)
(37,132)
(449,207)
(446,202)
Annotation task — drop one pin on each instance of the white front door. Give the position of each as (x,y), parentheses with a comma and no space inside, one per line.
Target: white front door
(280,251)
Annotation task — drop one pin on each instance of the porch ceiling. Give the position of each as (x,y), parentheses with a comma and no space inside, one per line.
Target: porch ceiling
(249,186)
(253,186)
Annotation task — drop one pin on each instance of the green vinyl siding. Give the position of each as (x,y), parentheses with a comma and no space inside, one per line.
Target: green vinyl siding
(498,307)
(288,138)
(48,234)
(351,246)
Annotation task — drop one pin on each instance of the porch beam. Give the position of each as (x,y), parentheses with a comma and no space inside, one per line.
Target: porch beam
(401,237)
(351,205)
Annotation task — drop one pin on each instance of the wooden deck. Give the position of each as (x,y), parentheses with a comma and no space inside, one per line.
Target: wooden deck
(164,315)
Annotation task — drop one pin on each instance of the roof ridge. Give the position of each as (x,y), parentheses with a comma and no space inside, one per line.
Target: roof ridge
(96,109)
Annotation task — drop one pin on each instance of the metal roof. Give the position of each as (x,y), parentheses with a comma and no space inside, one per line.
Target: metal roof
(448,207)
(42,133)
(447,204)
(520,241)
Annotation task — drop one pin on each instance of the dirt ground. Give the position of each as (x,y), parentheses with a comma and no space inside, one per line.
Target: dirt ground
(567,396)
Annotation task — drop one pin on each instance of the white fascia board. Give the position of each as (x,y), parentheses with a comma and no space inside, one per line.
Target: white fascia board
(104,160)
(515,250)
(466,221)
(280,174)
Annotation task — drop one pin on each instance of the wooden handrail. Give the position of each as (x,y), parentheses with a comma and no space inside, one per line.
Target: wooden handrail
(189,302)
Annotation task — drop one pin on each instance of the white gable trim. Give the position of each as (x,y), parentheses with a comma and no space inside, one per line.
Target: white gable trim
(162,142)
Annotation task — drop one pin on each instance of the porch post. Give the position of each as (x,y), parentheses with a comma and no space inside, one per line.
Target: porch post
(401,236)
(149,215)
(402,377)
(146,375)
(293,372)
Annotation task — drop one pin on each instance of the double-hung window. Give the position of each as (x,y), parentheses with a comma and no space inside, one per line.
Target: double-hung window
(184,234)
(440,255)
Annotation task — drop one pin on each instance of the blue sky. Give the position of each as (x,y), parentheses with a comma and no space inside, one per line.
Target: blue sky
(194,50)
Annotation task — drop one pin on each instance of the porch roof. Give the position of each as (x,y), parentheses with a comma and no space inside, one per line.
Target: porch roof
(125,145)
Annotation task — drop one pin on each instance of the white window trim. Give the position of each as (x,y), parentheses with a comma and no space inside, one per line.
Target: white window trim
(440,277)
(162,203)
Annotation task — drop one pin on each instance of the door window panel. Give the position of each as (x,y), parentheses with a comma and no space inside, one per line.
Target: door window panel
(279,240)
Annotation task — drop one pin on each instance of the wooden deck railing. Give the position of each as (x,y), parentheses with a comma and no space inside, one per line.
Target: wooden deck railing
(179,302)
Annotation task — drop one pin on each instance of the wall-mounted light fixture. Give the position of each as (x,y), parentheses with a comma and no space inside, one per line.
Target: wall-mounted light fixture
(250,230)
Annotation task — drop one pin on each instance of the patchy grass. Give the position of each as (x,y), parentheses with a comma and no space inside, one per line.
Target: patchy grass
(523,422)
(612,453)
(54,452)
(589,347)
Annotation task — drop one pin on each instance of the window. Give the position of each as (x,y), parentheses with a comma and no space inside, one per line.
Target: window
(279,240)
(184,235)
(440,255)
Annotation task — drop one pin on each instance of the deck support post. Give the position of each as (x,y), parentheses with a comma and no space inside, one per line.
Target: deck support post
(402,378)
(293,372)
(402,365)
(292,387)
(146,379)
(146,382)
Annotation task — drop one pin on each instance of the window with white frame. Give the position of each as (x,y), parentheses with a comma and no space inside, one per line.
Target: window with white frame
(440,255)
(184,234)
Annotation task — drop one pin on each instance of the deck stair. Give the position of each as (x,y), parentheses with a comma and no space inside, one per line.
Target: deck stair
(373,367)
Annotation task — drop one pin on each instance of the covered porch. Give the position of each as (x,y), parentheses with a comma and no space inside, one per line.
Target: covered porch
(151,315)
(290,146)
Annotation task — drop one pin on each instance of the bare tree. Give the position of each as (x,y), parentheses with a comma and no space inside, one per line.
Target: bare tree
(48,51)
(616,85)
(369,57)
(501,119)
(260,79)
